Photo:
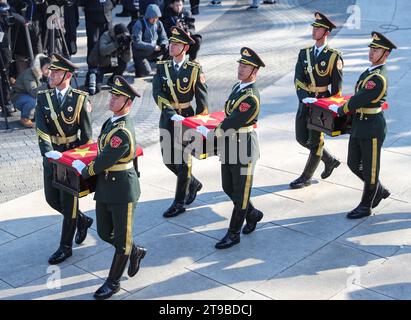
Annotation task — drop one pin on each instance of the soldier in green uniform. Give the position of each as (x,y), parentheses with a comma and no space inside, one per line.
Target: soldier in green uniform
(239,147)
(63,122)
(368,126)
(118,188)
(177,82)
(317,68)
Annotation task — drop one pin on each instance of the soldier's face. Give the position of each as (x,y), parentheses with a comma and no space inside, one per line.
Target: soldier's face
(56,77)
(244,71)
(318,33)
(117,102)
(375,54)
(175,49)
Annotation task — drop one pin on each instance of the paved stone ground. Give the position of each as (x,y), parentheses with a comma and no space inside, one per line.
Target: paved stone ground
(304,248)
(223,37)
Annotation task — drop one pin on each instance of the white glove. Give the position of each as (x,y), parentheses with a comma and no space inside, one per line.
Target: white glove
(203,130)
(78,165)
(333,107)
(53,155)
(309,100)
(177,118)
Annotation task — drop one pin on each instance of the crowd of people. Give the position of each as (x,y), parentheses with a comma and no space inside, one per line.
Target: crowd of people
(32,30)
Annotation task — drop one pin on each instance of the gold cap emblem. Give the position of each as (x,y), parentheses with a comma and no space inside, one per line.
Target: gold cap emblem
(175,32)
(318,17)
(246,53)
(118,83)
(376,37)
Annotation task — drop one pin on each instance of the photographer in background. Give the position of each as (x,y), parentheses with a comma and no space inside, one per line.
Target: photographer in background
(28,83)
(30,14)
(149,41)
(6,20)
(176,16)
(111,54)
(98,17)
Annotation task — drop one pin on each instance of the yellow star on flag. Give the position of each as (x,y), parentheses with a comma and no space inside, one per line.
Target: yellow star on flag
(205,118)
(337,100)
(83,152)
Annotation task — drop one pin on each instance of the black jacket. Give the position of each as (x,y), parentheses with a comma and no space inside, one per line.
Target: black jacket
(97,12)
(170,19)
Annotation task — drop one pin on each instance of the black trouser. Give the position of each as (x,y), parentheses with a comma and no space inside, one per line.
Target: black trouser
(194,48)
(117,71)
(364,161)
(63,202)
(94,31)
(194,4)
(237,181)
(115,225)
(176,160)
(311,139)
(142,64)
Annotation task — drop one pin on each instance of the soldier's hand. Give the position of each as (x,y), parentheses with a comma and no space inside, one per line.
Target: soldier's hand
(333,108)
(177,118)
(309,100)
(78,165)
(203,130)
(53,155)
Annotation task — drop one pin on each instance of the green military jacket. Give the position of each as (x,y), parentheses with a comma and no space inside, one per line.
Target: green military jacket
(370,93)
(171,89)
(117,180)
(325,70)
(241,114)
(57,126)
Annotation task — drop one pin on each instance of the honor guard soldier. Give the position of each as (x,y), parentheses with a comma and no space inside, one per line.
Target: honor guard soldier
(368,126)
(238,160)
(63,122)
(118,188)
(176,83)
(317,68)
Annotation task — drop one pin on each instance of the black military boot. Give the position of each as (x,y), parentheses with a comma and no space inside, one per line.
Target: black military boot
(253,216)
(66,242)
(175,209)
(232,236)
(83,223)
(305,179)
(194,187)
(330,164)
(112,284)
(382,193)
(137,254)
(364,208)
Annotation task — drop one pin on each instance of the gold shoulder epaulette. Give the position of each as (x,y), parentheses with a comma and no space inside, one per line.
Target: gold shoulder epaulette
(121,124)
(80,92)
(249,91)
(194,64)
(334,50)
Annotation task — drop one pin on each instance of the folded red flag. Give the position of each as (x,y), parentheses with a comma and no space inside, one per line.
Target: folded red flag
(86,153)
(211,121)
(339,101)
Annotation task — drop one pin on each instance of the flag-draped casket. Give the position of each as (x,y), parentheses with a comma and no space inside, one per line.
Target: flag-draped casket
(66,178)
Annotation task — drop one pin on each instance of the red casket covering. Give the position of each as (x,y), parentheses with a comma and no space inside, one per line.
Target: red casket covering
(66,178)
